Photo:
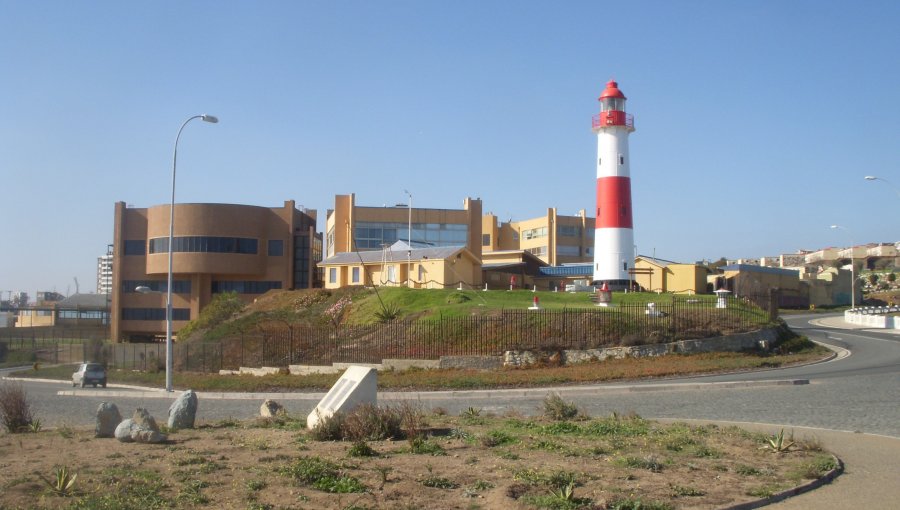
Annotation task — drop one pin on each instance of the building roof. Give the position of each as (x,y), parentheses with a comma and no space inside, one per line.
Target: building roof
(396,253)
(750,268)
(657,262)
(84,301)
(568,270)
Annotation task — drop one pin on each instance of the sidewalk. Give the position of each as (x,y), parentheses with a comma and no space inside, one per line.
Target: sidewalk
(871,463)
(837,322)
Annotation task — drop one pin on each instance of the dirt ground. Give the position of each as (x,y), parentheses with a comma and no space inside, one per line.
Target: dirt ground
(472,462)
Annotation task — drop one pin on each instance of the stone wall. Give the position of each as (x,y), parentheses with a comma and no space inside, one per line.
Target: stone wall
(472,362)
(733,343)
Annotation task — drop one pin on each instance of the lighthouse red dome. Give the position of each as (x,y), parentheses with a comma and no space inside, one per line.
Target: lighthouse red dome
(612,90)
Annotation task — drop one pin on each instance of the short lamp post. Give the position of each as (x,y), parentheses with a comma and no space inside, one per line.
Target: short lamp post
(169,354)
(852,270)
(875,178)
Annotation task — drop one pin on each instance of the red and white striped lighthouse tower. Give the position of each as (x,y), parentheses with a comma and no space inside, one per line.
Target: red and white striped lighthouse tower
(614,236)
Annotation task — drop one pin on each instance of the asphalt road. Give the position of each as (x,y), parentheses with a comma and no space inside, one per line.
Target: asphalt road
(856,393)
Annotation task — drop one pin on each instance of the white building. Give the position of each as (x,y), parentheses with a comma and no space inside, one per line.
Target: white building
(104,274)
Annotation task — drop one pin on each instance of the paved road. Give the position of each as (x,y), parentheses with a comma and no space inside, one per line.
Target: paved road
(857,393)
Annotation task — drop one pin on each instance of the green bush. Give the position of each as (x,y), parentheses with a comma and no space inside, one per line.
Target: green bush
(558,409)
(222,307)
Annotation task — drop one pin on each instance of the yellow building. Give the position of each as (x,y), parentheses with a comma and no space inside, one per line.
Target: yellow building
(660,275)
(554,238)
(350,227)
(403,266)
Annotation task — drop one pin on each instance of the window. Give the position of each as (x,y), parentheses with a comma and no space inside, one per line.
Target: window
(391,274)
(275,248)
(370,235)
(205,244)
(485,240)
(155,314)
(332,275)
(421,272)
(568,251)
(244,287)
(540,251)
(534,233)
(621,159)
(355,275)
(135,247)
(330,241)
(178,286)
(568,230)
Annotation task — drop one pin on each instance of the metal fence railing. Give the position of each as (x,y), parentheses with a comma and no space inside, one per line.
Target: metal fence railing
(281,344)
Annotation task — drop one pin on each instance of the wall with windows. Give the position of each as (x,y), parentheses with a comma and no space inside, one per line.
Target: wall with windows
(350,227)
(555,238)
(217,248)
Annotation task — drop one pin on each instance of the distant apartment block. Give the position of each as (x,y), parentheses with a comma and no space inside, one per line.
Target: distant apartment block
(105,273)
(217,248)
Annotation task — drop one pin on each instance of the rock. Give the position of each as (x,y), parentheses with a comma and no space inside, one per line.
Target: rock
(148,436)
(123,431)
(144,420)
(108,418)
(183,411)
(270,409)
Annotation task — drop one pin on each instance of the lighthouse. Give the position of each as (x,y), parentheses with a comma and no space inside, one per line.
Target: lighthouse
(614,234)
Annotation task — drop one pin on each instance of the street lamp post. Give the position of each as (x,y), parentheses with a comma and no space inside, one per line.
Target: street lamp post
(875,178)
(852,270)
(169,386)
(409,241)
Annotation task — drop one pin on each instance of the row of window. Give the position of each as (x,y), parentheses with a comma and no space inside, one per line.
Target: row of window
(534,233)
(155,314)
(540,251)
(244,287)
(372,235)
(204,244)
(178,286)
(568,230)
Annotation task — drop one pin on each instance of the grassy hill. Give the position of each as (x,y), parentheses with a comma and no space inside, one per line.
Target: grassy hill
(227,315)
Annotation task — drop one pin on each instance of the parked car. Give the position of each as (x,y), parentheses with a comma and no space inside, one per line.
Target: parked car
(89,373)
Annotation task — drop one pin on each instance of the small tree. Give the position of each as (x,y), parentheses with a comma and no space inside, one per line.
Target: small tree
(873,279)
(892,277)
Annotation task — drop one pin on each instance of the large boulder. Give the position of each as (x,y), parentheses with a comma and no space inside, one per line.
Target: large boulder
(140,428)
(270,409)
(183,411)
(108,418)
(123,431)
(143,419)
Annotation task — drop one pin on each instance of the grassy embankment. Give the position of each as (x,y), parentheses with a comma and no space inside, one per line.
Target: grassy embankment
(307,307)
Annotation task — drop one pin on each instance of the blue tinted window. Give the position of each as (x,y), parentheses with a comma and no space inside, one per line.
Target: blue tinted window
(135,247)
(275,248)
(206,244)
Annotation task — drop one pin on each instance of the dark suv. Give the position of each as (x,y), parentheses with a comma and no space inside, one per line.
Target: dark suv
(89,373)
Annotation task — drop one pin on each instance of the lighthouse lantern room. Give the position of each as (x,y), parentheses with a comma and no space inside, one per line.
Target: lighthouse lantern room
(614,235)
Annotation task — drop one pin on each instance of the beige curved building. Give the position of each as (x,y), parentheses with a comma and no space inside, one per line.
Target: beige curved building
(217,248)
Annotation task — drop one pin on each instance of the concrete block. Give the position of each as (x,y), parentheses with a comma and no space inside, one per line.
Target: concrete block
(312,369)
(358,385)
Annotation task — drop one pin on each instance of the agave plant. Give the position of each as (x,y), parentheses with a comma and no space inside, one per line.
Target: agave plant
(564,493)
(63,481)
(778,444)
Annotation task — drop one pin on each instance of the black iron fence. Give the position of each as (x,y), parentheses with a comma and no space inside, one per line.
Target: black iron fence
(279,344)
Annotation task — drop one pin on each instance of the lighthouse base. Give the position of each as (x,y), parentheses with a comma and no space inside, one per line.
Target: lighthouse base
(613,284)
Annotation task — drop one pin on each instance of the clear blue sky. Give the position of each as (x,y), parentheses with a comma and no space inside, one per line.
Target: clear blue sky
(756,121)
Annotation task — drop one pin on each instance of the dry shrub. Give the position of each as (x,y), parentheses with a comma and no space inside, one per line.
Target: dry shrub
(557,409)
(368,422)
(412,419)
(15,411)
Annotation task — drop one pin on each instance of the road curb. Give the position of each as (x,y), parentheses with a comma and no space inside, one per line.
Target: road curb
(431,395)
(794,491)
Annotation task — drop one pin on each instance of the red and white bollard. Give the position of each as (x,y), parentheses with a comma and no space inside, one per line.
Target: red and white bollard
(535,304)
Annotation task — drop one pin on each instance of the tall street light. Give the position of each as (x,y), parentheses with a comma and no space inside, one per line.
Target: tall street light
(874,178)
(205,118)
(409,241)
(852,270)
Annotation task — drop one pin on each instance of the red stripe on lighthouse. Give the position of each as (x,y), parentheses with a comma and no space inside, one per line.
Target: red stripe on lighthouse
(614,202)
